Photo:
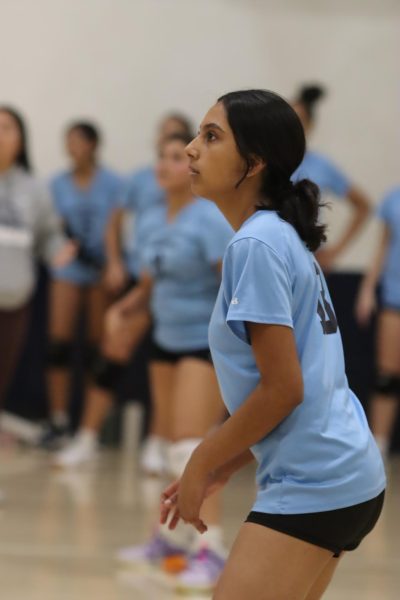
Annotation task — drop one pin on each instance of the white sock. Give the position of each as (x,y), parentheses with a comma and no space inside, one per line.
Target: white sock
(180,536)
(212,539)
(60,418)
(87,437)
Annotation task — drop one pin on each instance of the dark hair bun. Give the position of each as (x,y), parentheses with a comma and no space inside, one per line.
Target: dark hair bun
(310,94)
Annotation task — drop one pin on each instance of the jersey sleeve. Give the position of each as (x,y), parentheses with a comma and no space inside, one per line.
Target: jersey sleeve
(129,193)
(337,182)
(257,287)
(216,234)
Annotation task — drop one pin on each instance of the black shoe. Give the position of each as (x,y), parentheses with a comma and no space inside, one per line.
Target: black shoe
(54,437)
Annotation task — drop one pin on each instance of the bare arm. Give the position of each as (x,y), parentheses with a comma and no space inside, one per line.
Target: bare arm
(115,273)
(361,209)
(114,236)
(366,302)
(138,298)
(278,393)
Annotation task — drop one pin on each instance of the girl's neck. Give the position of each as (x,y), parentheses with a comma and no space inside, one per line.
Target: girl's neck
(237,207)
(176,201)
(84,173)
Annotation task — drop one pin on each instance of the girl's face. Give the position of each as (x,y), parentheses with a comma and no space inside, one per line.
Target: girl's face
(215,163)
(10,139)
(173,167)
(168,127)
(79,149)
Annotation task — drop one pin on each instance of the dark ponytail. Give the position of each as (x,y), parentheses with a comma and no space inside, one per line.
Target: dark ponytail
(22,159)
(266,127)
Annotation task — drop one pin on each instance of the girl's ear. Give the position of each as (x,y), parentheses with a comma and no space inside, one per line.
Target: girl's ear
(256,166)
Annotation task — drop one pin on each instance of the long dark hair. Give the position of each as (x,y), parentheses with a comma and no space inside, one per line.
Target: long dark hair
(309,96)
(266,127)
(22,159)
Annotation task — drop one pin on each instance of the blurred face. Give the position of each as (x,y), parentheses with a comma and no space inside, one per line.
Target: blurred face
(79,149)
(303,116)
(10,140)
(173,167)
(215,163)
(167,128)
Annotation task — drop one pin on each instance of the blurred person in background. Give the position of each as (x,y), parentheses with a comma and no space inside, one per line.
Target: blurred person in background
(29,231)
(84,196)
(384,270)
(181,274)
(329,178)
(137,216)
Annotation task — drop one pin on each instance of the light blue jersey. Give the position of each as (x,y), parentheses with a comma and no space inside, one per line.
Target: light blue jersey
(389,213)
(182,256)
(324,173)
(323,455)
(85,212)
(140,195)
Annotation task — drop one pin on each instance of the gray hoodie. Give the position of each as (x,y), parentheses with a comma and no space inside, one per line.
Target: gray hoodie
(29,229)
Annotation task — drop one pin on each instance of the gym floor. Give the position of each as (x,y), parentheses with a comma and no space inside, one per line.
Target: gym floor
(59,532)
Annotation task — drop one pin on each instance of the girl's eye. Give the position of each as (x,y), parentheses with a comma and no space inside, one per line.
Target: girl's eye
(210,136)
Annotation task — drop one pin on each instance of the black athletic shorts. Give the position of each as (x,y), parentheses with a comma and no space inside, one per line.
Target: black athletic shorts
(336,530)
(157,353)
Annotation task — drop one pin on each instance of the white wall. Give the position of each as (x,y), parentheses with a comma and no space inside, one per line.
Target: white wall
(124,62)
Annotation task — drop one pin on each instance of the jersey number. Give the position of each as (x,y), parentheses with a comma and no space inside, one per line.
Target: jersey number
(325,310)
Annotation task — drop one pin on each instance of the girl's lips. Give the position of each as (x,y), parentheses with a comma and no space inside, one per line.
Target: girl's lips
(193,171)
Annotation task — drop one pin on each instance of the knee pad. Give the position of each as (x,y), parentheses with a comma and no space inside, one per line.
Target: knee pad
(179,453)
(387,385)
(106,373)
(59,353)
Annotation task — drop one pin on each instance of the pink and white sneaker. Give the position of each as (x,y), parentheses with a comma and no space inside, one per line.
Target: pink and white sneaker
(151,553)
(202,573)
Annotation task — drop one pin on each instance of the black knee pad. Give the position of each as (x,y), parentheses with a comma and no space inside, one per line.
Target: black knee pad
(59,353)
(387,385)
(106,373)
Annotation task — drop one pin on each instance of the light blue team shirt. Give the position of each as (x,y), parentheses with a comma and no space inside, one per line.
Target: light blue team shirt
(323,455)
(389,213)
(86,213)
(182,257)
(324,173)
(140,195)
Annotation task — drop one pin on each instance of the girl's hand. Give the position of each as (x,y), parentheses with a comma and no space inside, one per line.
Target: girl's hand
(65,255)
(182,500)
(365,306)
(115,276)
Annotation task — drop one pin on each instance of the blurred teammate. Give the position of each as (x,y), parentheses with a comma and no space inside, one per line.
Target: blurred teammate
(84,196)
(141,194)
(29,230)
(181,275)
(385,269)
(329,178)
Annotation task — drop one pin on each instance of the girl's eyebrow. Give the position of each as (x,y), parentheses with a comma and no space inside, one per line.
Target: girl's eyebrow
(212,126)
